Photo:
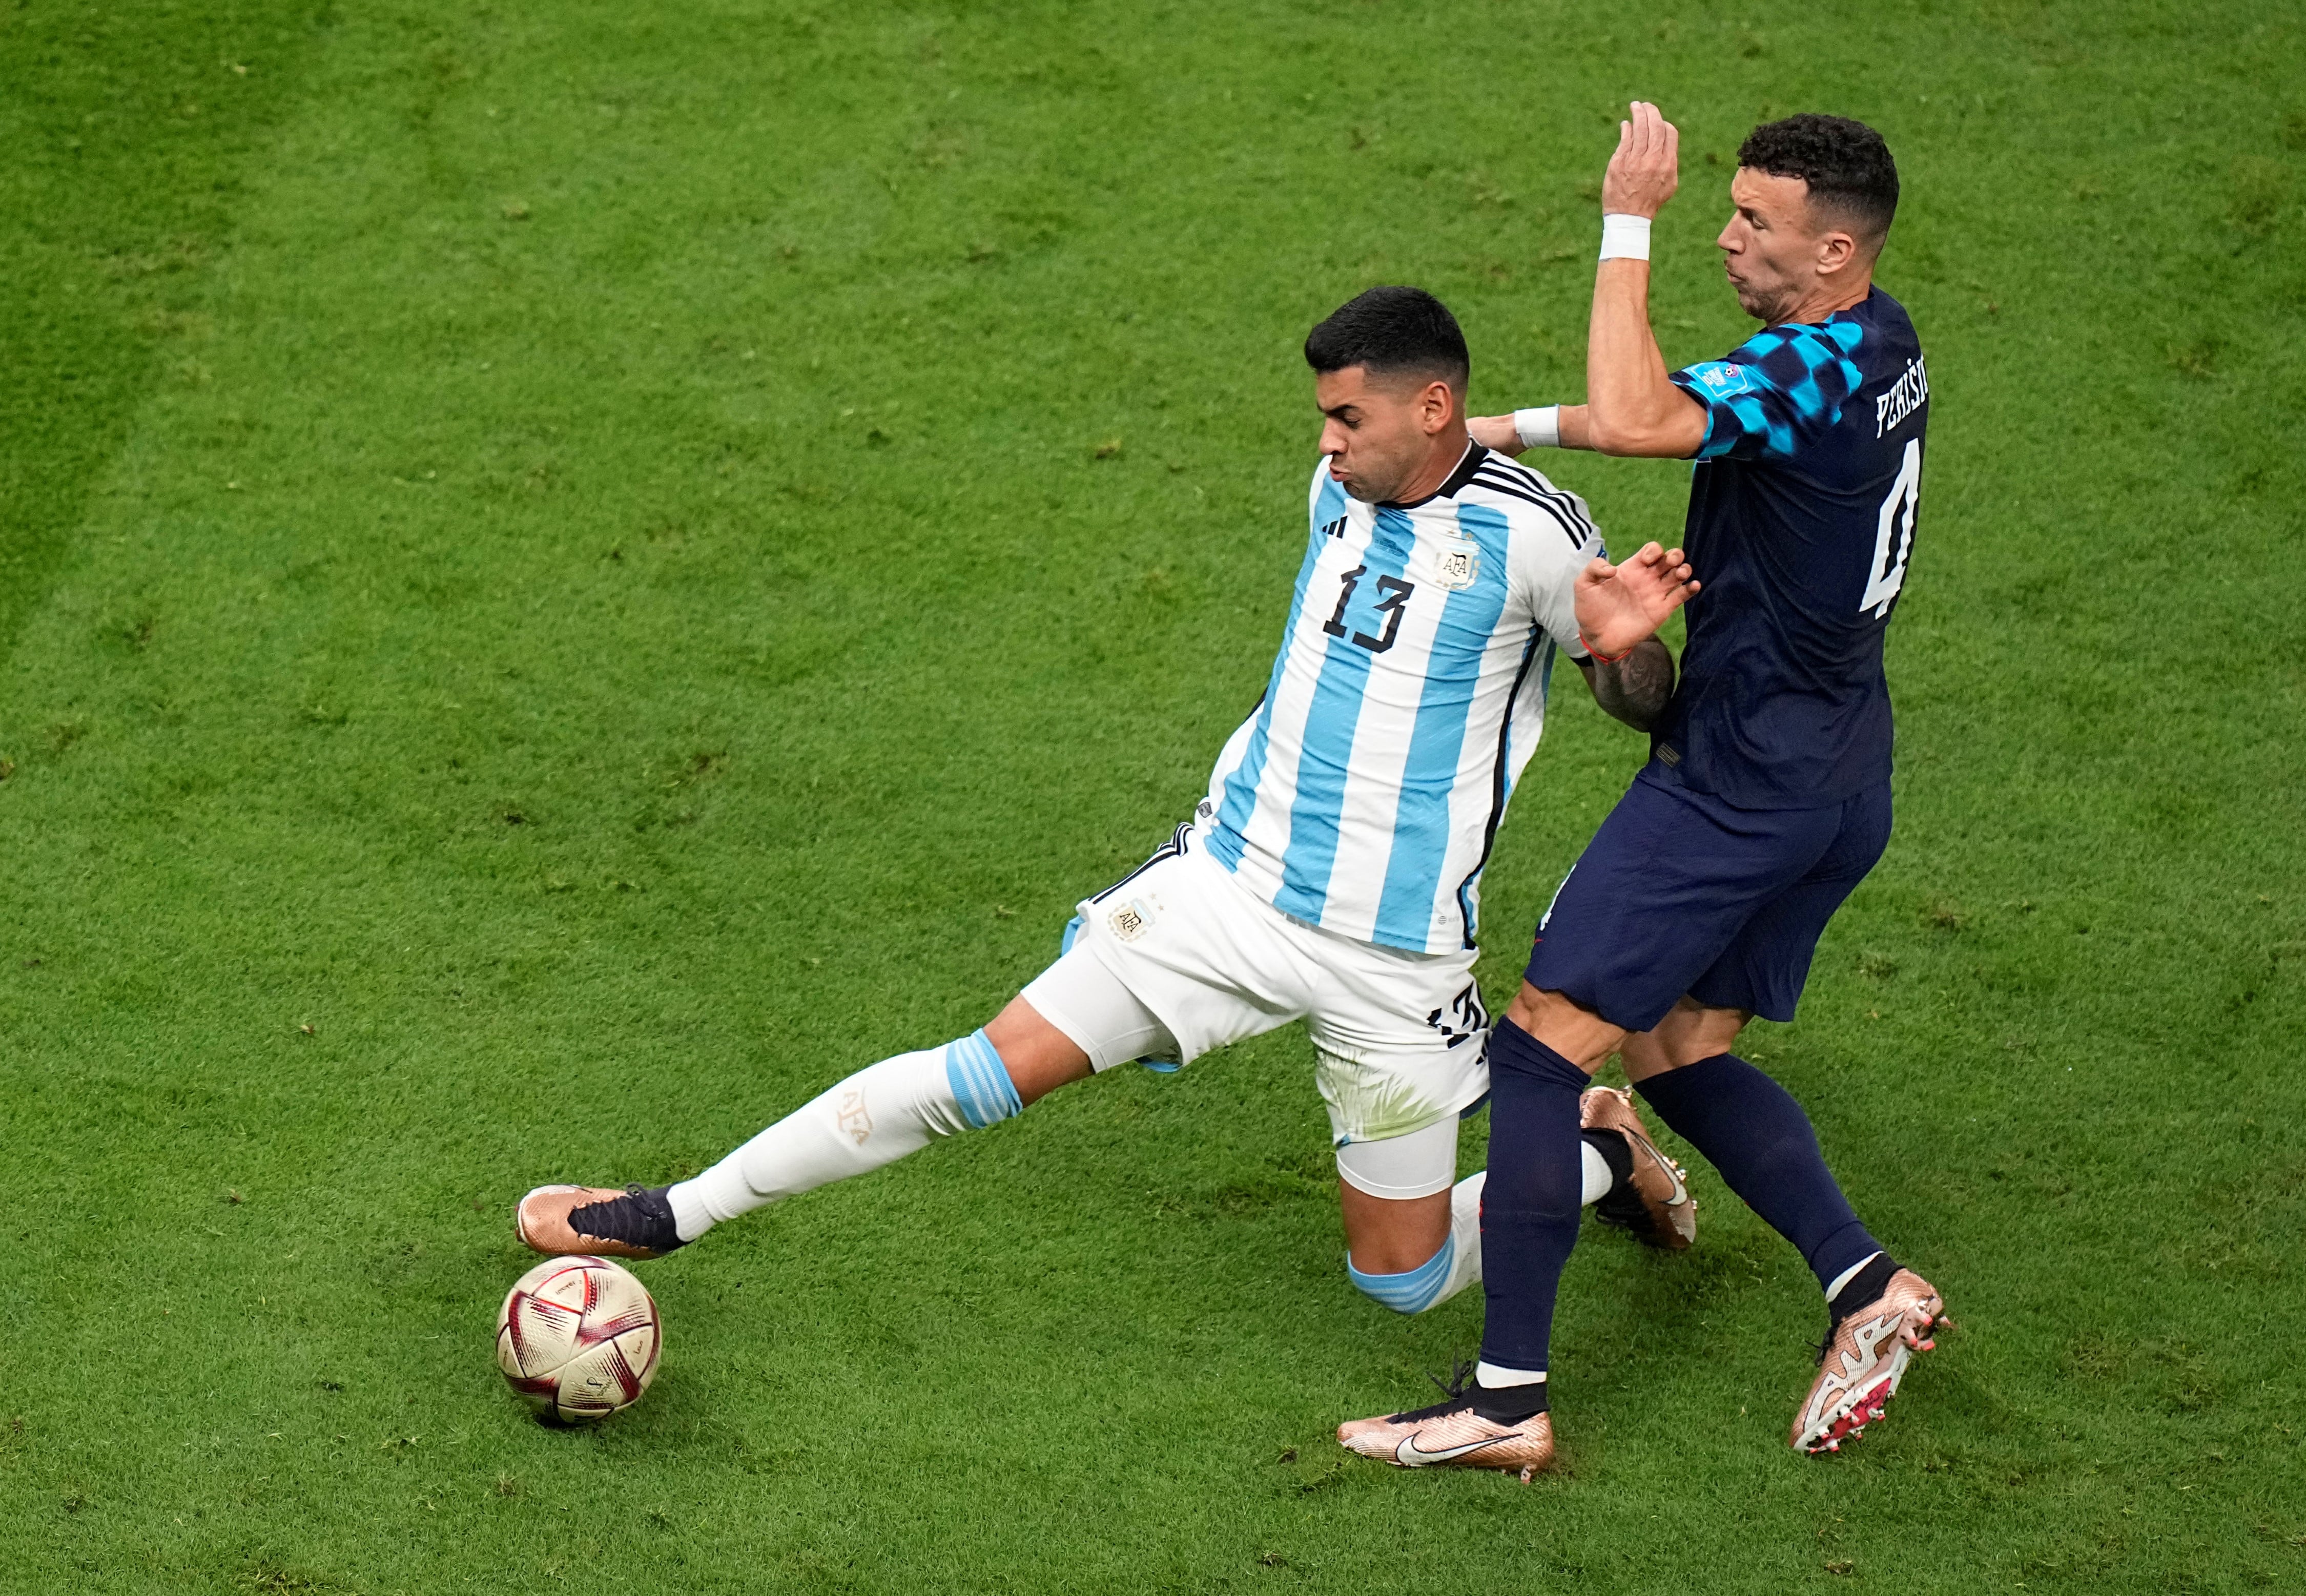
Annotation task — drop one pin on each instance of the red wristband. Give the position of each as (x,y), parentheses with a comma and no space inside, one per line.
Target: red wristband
(1598,657)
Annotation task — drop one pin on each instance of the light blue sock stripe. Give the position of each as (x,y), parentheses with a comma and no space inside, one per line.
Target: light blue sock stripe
(981,1081)
(1413,1291)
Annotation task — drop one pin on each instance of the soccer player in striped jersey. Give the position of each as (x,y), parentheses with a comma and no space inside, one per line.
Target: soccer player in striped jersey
(1699,902)
(1333,872)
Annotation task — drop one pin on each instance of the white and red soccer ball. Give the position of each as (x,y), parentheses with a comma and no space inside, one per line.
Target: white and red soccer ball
(579,1338)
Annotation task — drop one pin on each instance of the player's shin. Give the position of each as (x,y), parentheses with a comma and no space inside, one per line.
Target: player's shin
(1464,1234)
(1604,1166)
(1454,1265)
(1754,1132)
(1530,1210)
(874,1117)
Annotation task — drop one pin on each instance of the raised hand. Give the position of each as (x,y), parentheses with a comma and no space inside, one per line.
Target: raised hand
(1646,168)
(1619,605)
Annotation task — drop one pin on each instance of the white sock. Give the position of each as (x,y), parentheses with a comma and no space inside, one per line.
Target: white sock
(874,1117)
(1597,1176)
(1465,1234)
(1465,1219)
(1497,1379)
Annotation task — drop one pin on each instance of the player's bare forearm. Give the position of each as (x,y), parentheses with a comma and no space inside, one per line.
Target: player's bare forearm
(1631,407)
(1633,689)
(1634,409)
(1498,432)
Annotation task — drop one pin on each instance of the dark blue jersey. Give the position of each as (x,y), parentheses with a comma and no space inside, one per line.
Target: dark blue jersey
(1801,520)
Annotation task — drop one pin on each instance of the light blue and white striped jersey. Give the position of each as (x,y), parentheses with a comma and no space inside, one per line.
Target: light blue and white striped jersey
(1363,792)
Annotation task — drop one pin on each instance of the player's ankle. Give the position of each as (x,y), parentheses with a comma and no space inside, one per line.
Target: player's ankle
(1507,1395)
(1509,1404)
(1859,1286)
(691,1217)
(1617,1156)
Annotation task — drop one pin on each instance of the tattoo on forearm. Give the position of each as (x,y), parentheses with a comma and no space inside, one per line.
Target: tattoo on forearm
(1635,689)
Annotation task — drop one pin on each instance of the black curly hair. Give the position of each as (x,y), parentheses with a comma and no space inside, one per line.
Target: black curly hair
(1850,176)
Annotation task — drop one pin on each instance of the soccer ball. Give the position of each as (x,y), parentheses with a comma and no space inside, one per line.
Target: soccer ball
(579,1338)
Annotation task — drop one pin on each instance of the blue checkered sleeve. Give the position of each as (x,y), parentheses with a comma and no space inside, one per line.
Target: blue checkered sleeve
(1777,393)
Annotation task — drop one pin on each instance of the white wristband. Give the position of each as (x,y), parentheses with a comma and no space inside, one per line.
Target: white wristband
(1538,429)
(1625,237)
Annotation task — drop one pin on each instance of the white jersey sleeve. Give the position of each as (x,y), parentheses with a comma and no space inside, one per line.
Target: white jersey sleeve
(1555,541)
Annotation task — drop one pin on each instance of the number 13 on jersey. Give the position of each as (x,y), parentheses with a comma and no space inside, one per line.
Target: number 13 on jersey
(1392,594)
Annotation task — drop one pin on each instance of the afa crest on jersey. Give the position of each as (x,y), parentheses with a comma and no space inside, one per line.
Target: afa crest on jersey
(1458,565)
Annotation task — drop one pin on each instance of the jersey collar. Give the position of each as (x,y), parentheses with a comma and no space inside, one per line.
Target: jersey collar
(1454,483)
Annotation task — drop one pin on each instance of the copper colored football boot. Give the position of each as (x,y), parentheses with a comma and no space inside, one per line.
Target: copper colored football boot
(551,1220)
(1451,1432)
(1864,1362)
(1656,1206)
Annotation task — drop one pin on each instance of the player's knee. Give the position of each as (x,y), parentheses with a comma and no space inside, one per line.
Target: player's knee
(981,1081)
(1528,1008)
(1413,1291)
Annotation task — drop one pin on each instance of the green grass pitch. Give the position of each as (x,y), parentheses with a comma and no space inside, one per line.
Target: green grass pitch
(571,572)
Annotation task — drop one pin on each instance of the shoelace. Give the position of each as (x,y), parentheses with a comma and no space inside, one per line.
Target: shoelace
(616,1219)
(1460,1374)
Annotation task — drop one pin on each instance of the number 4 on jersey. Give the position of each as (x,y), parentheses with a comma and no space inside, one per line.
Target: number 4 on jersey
(1897,531)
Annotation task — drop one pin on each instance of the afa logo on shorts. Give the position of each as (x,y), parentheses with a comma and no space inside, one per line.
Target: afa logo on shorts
(1129,921)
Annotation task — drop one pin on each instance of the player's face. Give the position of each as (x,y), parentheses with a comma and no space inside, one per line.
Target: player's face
(1378,432)
(1769,248)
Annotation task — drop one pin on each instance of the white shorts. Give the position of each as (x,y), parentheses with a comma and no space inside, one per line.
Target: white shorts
(1399,1039)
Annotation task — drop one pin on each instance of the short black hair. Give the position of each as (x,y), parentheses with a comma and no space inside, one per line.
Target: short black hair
(1394,332)
(1846,163)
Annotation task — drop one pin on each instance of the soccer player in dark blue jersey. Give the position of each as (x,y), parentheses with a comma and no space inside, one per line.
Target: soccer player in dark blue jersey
(1766,799)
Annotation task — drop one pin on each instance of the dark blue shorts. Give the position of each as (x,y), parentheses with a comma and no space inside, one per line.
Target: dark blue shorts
(1678,892)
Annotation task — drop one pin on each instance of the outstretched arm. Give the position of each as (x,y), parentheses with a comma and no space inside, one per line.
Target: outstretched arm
(1631,407)
(1503,432)
(1634,688)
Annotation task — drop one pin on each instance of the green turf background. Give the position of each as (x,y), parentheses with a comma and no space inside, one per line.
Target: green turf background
(571,572)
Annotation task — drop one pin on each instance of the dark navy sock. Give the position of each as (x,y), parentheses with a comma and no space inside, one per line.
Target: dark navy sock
(1530,1204)
(1751,1129)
